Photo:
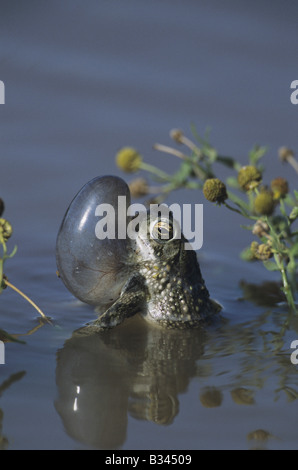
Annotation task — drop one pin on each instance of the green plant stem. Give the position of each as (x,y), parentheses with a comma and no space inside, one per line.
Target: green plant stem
(156,171)
(286,286)
(192,185)
(283,209)
(5,283)
(293,162)
(233,209)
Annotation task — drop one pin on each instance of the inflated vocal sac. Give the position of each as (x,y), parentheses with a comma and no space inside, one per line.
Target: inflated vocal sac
(94,270)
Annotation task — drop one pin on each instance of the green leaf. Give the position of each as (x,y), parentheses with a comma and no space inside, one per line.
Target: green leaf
(239,202)
(270,265)
(256,154)
(199,139)
(210,152)
(294,250)
(182,174)
(291,266)
(247,255)
(273,233)
(289,200)
(294,214)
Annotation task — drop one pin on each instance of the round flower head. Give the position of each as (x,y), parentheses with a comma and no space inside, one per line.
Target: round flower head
(279,187)
(177,135)
(260,228)
(128,159)
(261,252)
(254,248)
(285,154)
(264,203)
(264,252)
(5,230)
(215,190)
(249,177)
(139,187)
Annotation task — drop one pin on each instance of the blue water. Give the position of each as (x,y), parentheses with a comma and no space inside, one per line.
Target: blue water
(83,79)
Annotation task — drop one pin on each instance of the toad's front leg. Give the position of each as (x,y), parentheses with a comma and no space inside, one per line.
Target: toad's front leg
(131,301)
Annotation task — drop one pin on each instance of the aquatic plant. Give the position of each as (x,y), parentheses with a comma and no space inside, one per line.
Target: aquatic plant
(5,234)
(270,208)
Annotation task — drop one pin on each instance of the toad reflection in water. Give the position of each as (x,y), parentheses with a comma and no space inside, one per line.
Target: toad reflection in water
(134,369)
(141,370)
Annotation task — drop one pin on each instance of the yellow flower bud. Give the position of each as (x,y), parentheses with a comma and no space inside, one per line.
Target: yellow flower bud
(261,252)
(279,187)
(215,190)
(128,159)
(264,203)
(260,228)
(285,153)
(264,252)
(177,135)
(254,248)
(139,187)
(249,177)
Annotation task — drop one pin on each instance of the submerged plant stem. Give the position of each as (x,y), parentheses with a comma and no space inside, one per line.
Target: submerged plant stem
(8,284)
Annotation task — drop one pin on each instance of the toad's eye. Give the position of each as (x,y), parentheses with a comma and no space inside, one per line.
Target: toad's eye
(162,231)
